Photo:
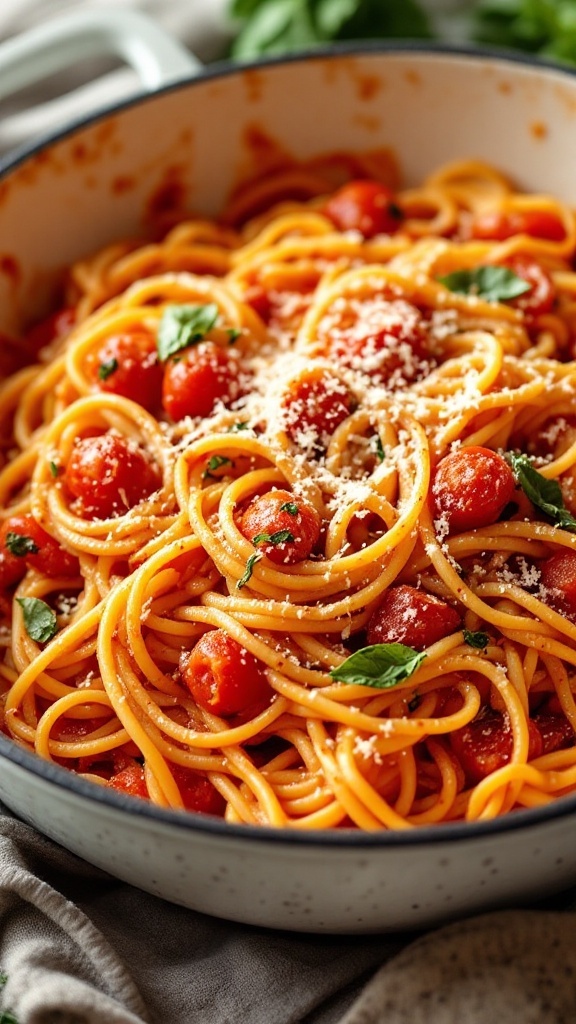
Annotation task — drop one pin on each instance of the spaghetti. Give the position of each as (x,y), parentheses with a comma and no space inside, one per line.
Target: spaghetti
(288,508)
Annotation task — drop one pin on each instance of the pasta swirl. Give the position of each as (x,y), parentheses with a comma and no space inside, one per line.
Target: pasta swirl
(288,508)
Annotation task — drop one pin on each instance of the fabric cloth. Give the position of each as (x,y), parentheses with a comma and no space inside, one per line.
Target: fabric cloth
(79,947)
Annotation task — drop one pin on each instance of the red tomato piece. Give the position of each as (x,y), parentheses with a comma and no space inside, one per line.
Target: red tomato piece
(502,224)
(383,338)
(485,744)
(130,780)
(57,325)
(199,378)
(109,474)
(541,297)
(22,537)
(223,677)
(365,206)
(127,364)
(314,406)
(197,792)
(412,617)
(558,576)
(284,527)
(555,730)
(471,488)
(12,569)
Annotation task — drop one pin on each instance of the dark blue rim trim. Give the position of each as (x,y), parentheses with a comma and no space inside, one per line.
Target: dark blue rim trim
(61,778)
(225,69)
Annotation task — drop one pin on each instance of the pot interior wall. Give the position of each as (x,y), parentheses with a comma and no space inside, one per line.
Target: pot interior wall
(187,148)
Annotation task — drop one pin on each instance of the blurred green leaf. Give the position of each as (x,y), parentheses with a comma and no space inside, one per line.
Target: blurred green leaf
(546,28)
(281,26)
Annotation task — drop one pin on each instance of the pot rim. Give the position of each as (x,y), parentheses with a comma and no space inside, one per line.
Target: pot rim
(14,158)
(60,778)
(430,836)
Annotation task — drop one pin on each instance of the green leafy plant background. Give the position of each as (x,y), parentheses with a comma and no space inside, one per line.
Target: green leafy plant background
(546,28)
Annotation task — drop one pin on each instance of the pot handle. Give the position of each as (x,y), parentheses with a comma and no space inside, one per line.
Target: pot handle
(155,56)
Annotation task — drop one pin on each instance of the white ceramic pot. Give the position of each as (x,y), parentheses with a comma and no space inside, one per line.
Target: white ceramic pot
(94,183)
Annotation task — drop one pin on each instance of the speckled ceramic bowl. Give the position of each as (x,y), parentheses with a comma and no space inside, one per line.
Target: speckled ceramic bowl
(192,139)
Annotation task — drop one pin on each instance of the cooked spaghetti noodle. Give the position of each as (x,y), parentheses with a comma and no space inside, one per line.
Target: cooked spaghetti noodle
(287,507)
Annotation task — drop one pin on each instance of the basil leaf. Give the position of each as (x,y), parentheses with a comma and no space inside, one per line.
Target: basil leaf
(233,334)
(106,369)
(280,537)
(290,507)
(493,283)
(381,666)
(39,619)
(20,545)
(477,640)
(247,575)
(375,19)
(267,30)
(331,15)
(54,469)
(214,463)
(544,27)
(183,326)
(545,494)
(236,427)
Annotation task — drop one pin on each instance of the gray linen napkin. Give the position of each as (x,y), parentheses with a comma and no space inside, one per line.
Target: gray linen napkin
(79,947)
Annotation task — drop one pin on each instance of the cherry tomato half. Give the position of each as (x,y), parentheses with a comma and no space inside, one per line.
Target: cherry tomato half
(471,488)
(199,378)
(284,527)
(412,617)
(130,780)
(223,677)
(108,475)
(502,224)
(486,744)
(558,576)
(314,406)
(127,364)
(382,338)
(22,537)
(365,206)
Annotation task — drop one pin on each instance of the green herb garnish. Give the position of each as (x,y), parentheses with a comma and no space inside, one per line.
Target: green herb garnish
(247,575)
(477,640)
(545,494)
(54,469)
(381,666)
(216,462)
(39,619)
(290,507)
(182,326)
(279,26)
(233,334)
(280,537)
(242,425)
(20,545)
(493,283)
(106,369)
